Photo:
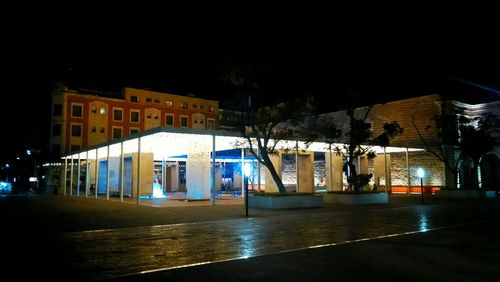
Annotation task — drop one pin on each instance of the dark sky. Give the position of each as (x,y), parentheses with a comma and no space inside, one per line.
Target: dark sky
(330,52)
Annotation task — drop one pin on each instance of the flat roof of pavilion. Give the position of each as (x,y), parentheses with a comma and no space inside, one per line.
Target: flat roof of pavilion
(167,142)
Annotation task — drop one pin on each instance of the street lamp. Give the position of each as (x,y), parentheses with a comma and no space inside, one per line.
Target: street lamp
(246,174)
(421,174)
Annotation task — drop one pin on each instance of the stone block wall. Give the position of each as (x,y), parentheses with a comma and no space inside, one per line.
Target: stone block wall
(434,169)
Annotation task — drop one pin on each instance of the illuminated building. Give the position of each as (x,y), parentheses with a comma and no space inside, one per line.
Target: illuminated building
(84,118)
(186,159)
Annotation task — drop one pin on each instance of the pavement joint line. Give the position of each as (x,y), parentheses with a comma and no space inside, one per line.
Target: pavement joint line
(300,249)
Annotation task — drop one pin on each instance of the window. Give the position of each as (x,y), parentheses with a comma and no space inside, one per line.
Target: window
(56,130)
(195,106)
(117,114)
(94,129)
(169,104)
(102,130)
(184,105)
(102,111)
(210,123)
(212,109)
(169,120)
(157,101)
(117,132)
(149,100)
(184,121)
(134,99)
(57,109)
(134,116)
(94,110)
(76,130)
(76,110)
(148,116)
(134,130)
(202,106)
(156,116)
(75,147)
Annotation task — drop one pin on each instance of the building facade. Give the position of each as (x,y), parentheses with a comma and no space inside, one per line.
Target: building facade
(417,117)
(84,118)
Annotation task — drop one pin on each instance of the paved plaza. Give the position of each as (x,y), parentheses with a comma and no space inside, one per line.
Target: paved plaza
(76,238)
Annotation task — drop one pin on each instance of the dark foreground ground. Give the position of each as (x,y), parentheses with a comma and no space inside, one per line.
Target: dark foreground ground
(69,238)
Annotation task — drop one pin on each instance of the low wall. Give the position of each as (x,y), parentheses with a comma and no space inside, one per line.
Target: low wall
(356,199)
(466,194)
(285,202)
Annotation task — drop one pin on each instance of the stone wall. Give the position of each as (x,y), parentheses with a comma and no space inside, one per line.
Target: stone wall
(434,169)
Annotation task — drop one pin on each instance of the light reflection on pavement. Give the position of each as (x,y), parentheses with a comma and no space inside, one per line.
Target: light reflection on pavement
(122,251)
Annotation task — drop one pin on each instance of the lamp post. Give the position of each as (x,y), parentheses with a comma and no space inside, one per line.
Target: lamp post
(246,174)
(421,174)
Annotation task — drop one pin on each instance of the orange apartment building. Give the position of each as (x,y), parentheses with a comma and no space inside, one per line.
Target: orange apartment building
(83,118)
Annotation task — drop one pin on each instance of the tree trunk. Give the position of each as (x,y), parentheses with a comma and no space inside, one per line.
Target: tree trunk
(274,174)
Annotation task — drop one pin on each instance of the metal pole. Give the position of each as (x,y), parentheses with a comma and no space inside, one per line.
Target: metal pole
(87,174)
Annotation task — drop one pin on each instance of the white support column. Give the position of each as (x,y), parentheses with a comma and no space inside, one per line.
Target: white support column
(71,177)
(258,168)
(87,174)
(122,160)
(387,185)
(138,195)
(408,172)
(212,172)
(297,168)
(107,173)
(78,173)
(163,172)
(242,176)
(65,173)
(330,168)
(96,172)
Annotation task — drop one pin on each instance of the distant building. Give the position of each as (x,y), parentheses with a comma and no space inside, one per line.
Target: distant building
(83,118)
(422,110)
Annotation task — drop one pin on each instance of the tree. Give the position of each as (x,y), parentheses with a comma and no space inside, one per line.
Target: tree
(263,123)
(360,142)
(468,137)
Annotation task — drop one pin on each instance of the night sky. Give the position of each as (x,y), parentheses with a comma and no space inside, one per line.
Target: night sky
(333,54)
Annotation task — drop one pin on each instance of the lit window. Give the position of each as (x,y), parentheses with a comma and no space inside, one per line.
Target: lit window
(134,99)
(102,111)
(169,104)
